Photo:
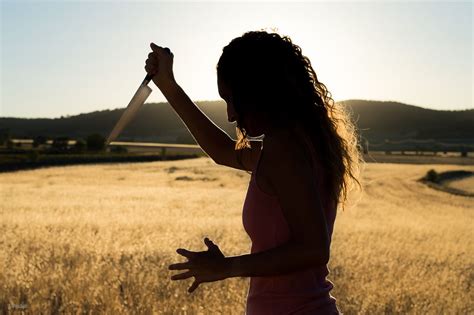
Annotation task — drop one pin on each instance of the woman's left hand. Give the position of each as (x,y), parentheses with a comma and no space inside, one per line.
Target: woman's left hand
(207,266)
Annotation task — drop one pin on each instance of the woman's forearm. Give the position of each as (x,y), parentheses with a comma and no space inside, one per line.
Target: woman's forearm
(276,261)
(208,135)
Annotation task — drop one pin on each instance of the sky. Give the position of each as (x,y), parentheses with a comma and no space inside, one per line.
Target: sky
(61,58)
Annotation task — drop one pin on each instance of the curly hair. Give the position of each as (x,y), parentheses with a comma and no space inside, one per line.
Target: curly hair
(267,73)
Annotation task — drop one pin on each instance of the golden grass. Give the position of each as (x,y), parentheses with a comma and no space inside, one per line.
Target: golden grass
(99,239)
(464,184)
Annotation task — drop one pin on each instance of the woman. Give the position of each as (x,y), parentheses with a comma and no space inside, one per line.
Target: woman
(300,172)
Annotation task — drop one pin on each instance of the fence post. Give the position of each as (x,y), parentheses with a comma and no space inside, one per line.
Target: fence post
(163,153)
(365,147)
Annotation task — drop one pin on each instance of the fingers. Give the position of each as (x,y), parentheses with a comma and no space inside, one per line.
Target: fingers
(186,253)
(210,244)
(150,69)
(180,266)
(184,275)
(151,62)
(160,51)
(154,57)
(193,287)
(155,48)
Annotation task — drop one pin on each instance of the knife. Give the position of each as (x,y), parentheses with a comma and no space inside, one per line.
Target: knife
(136,102)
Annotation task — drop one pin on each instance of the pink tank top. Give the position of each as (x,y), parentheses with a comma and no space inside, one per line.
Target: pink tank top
(300,292)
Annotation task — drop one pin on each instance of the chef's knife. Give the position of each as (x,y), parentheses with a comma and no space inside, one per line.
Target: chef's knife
(135,103)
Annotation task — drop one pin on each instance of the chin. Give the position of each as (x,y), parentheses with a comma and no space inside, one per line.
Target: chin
(253,132)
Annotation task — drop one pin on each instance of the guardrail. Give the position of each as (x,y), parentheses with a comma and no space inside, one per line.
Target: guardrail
(418,146)
(164,148)
(154,145)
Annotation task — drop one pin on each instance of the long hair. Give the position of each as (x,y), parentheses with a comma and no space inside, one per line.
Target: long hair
(267,73)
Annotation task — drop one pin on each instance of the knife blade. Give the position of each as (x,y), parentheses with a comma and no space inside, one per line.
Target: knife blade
(131,110)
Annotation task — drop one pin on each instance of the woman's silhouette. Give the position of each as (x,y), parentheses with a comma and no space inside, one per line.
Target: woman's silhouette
(300,172)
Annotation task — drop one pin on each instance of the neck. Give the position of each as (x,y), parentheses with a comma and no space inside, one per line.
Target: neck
(272,131)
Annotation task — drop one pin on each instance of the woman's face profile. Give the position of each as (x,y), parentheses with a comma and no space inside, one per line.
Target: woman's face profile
(226,95)
(251,126)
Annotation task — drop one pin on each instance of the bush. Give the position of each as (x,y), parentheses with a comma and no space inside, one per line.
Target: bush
(95,142)
(39,140)
(432,176)
(60,144)
(4,136)
(80,145)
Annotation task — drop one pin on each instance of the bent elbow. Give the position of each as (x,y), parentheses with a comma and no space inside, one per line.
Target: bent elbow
(218,160)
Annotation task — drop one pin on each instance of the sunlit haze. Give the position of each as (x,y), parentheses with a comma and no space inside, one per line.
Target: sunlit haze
(66,58)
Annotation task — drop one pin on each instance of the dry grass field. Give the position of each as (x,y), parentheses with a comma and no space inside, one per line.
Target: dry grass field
(98,239)
(465,184)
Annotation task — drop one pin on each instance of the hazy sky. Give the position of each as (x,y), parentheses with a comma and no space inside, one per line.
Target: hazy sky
(65,58)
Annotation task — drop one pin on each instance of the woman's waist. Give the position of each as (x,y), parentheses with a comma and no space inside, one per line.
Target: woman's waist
(325,304)
(286,300)
(309,283)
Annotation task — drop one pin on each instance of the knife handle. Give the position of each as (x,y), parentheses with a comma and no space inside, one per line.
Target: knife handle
(147,79)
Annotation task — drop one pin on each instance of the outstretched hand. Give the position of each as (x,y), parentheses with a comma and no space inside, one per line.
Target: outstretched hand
(206,266)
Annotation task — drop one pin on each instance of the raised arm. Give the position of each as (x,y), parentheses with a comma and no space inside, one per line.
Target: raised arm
(213,140)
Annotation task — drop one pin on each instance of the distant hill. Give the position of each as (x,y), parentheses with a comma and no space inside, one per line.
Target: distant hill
(158,122)
(154,122)
(396,121)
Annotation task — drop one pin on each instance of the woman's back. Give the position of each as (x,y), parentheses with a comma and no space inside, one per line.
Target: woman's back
(297,292)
